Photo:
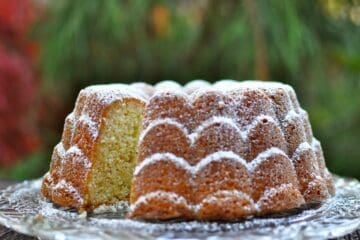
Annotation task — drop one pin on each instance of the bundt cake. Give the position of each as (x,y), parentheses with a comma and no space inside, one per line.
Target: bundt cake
(221,151)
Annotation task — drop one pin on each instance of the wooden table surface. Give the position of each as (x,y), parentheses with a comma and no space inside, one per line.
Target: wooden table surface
(8,234)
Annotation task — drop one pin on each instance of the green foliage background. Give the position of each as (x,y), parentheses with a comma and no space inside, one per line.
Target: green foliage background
(312,45)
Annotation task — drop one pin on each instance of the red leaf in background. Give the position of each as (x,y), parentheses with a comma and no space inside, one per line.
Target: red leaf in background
(16,16)
(18,88)
(19,85)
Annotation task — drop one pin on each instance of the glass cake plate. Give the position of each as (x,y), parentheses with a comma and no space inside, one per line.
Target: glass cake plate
(23,209)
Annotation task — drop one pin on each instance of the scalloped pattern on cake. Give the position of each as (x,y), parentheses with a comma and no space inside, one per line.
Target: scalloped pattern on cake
(249,145)
(207,151)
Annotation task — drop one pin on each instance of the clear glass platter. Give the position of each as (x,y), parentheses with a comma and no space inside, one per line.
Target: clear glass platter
(23,209)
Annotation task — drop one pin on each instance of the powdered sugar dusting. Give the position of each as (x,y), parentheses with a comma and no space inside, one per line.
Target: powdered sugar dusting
(305,146)
(69,188)
(315,143)
(92,125)
(225,98)
(179,200)
(270,192)
(24,209)
(162,121)
(225,196)
(60,149)
(70,117)
(76,151)
(214,157)
(213,197)
(173,197)
(291,116)
(222,120)
(168,85)
(180,162)
(265,155)
(109,93)
(216,119)
(194,85)
(112,208)
(219,156)
(256,121)
(250,109)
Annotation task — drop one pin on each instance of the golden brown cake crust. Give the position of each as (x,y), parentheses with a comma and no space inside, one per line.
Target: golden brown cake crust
(226,151)
(66,183)
(221,151)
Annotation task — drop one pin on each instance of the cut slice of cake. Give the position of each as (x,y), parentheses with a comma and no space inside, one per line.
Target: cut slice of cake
(93,163)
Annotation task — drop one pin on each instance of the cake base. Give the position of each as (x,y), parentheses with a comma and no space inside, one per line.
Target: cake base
(23,209)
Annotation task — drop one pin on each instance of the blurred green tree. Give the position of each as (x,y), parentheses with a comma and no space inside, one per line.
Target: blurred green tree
(313,46)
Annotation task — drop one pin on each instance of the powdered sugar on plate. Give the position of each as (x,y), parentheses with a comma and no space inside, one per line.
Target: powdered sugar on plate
(23,209)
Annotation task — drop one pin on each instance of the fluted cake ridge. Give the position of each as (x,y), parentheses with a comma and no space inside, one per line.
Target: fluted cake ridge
(203,151)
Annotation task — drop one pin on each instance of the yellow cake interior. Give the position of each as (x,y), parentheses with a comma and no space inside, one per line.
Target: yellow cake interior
(115,153)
